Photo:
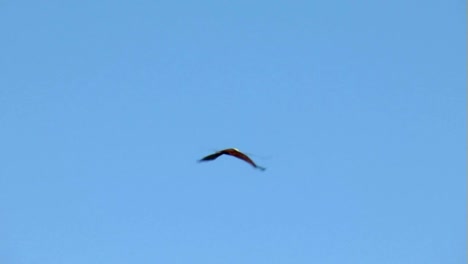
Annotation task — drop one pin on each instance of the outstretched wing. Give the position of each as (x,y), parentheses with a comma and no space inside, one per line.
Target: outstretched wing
(212,156)
(236,153)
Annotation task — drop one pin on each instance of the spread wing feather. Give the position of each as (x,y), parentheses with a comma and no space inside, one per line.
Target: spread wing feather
(240,155)
(212,156)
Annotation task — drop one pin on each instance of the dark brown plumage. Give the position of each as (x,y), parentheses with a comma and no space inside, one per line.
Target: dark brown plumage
(232,152)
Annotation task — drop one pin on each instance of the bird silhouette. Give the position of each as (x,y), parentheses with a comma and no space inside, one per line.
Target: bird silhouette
(232,152)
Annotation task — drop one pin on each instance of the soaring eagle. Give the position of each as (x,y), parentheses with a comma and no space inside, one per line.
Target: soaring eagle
(232,152)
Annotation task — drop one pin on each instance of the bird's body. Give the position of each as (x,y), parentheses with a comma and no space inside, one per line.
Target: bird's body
(232,152)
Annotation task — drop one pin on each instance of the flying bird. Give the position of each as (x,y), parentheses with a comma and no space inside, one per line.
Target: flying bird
(232,152)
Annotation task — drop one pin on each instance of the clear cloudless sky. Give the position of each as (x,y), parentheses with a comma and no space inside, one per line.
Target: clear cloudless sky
(356,108)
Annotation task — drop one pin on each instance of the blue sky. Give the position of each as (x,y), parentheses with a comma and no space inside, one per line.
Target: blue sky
(356,108)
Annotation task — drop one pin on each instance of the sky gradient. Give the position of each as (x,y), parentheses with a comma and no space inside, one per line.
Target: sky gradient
(356,108)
